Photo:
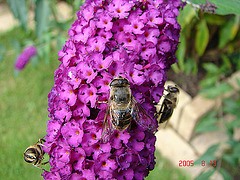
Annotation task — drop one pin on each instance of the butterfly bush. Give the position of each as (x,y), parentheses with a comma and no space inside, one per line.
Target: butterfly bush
(136,39)
(25,57)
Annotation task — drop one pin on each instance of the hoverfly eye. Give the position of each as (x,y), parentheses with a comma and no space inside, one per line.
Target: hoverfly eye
(173,89)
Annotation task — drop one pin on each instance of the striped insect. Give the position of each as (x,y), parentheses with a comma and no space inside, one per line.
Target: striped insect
(34,154)
(168,105)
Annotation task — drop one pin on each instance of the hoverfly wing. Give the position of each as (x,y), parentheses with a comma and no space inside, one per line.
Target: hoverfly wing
(142,118)
(107,128)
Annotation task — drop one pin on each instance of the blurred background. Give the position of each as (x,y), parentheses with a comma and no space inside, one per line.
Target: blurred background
(208,55)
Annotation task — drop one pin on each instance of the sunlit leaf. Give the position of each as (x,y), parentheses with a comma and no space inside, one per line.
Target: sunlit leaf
(214,19)
(202,37)
(229,31)
(186,15)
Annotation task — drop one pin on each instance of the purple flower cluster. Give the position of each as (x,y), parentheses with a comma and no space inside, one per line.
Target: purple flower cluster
(24,57)
(136,39)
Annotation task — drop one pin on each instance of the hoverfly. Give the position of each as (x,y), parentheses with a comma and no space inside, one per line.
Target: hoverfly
(123,107)
(169,103)
(34,154)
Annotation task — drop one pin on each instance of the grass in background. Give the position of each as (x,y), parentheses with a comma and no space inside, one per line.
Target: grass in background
(23,115)
(23,109)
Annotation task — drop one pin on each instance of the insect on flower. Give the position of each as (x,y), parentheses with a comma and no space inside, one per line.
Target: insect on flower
(122,108)
(34,154)
(168,105)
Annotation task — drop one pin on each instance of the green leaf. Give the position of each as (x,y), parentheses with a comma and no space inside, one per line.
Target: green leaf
(238,81)
(209,81)
(225,174)
(2,51)
(202,37)
(205,175)
(191,66)
(214,19)
(42,14)
(208,156)
(224,7)
(227,7)
(217,90)
(229,31)
(236,150)
(231,106)
(207,123)
(186,15)
(180,54)
(230,159)
(20,11)
(211,68)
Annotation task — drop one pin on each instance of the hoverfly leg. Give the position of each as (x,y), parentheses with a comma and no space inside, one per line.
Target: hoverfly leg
(41,141)
(102,102)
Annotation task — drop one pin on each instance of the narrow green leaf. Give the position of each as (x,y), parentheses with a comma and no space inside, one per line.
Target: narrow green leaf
(42,15)
(228,32)
(13,7)
(202,37)
(20,11)
(225,174)
(180,54)
(205,175)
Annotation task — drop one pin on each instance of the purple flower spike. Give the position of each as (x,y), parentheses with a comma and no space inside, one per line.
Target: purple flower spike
(135,39)
(25,56)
